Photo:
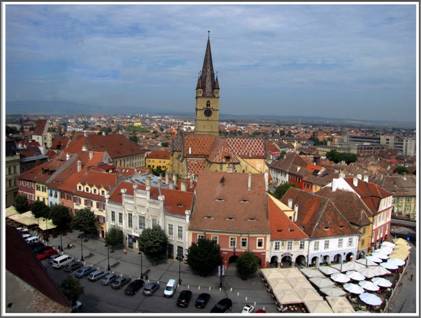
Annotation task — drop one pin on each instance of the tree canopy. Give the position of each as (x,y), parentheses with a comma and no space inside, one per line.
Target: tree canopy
(60,215)
(85,221)
(247,265)
(204,256)
(401,169)
(21,204)
(281,190)
(336,156)
(71,288)
(114,237)
(40,209)
(153,242)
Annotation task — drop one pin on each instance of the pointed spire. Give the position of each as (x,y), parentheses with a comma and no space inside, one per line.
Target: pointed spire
(207,77)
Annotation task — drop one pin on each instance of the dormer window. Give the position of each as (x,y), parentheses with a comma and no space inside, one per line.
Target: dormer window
(80,188)
(94,191)
(244,201)
(326,227)
(87,189)
(208,217)
(219,200)
(230,218)
(102,192)
(179,205)
(252,219)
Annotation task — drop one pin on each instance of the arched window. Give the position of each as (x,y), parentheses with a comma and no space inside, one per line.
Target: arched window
(208,103)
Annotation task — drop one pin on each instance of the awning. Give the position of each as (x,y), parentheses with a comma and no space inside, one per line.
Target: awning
(333,291)
(318,306)
(340,278)
(389,266)
(354,275)
(349,266)
(370,299)
(322,282)
(26,218)
(374,259)
(286,297)
(367,285)
(11,211)
(327,270)
(46,224)
(382,282)
(312,272)
(388,244)
(340,305)
(396,261)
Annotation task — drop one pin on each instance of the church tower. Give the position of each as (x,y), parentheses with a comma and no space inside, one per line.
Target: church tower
(207,97)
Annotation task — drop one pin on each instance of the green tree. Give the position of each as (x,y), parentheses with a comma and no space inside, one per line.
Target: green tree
(60,215)
(153,242)
(247,265)
(134,138)
(204,256)
(21,204)
(401,170)
(158,172)
(336,156)
(40,210)
(71,288)
(281,190)
(164,144)
(114,237)
(85,221)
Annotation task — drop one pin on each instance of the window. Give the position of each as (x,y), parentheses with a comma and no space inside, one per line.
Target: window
(154,222)
(233,242)
(326,244)
(289,245)
(350,241)
(88,203)
(259,242)
(316,245)
(79,187)
(130,220)
(340,242)
(76,200)
(87,189)
(94,191)
(170,230)
(277,245)
(244,242)
(112,216)
(120,218)
(302,245)
(141,222)
(100,205)
(180,232)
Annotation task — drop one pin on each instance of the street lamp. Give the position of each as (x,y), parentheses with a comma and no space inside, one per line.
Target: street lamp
(108,258)
(141,264)
(179,270)
(81,249)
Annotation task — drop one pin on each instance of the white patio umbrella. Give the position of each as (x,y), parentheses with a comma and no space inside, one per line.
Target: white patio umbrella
(370,299)
(381,256)
(374,259)
(340,278)
(396,261)
(382,282)
(367,262)
(353,288)
(327,270)
(389,265)
(354,275)
(367,285)
(388,244)
(385,250)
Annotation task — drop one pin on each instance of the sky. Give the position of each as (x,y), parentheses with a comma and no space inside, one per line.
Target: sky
(336,61)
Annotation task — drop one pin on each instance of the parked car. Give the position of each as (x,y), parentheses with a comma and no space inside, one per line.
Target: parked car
(150,288)
(120,281)
(38,247)
(260,311)
(48,252)
(25,235)
(134,287)
(202,300)
(84,271)
(184,298)
(53,257)
(222,306)
(73,266)
(32,240)
(247,309)
(170,288)
(96,275)
(108,279)
(62,261)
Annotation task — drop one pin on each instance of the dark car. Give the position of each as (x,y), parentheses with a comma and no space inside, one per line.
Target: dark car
(84,271)
(202,300)
(108,279)
(73,266)
(38,247)
(150,288)
(222,306)
(184,298)
(120,282)
(134,287)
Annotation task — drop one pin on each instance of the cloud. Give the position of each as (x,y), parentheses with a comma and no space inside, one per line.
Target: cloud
(266,56)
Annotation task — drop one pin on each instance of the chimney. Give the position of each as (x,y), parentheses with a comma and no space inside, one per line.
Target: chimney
(84,148)
(334,185)
(249,182)
(103,133)
(107,197)
(290,203)
(191,181)
(187,216)
(189,150)
(183,186)
(85,133)
(359,177)
(266,176)
(91,155)
(171,185)
(79,166)
(174,179)
(365,178)
(355,182)
(67,156)
(295,212)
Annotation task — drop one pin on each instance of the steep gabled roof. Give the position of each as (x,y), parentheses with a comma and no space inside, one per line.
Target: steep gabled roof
(207,81)
(318,216)
(40,127)
(287,164)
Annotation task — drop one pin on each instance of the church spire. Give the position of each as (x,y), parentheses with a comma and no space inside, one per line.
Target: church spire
(206,80)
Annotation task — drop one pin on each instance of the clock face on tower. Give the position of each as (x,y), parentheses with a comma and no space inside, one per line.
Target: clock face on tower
(208,112)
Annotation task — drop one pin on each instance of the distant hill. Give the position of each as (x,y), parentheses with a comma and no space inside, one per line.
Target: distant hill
(70,108)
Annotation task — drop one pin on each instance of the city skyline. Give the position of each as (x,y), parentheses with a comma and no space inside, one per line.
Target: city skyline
(277,59)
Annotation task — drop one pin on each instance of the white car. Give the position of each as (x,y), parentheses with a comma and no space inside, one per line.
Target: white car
(247,309)
(170,288)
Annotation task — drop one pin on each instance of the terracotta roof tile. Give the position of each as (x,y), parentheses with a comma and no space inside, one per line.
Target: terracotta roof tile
(159,154)
(40,127)
(195,166)
(290,161)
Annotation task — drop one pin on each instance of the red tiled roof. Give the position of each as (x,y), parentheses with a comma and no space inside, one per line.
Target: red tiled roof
(159,154)
(198,145)
(59,142)
(272,147)
(195,166)
(318,216)
(281,227)
(291,161)
(22,262)
(223,203)
(40,127)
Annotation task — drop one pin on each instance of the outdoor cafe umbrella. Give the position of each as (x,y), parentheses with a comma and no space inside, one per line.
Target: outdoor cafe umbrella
(388,244)
(374,259)
(367,285)
(367,262)
(327,270)
(382,282)
(353,288)
(381,255)
(370,299)
(389,265)
(396,261)
(340,278)
(384,250)
(354,275)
